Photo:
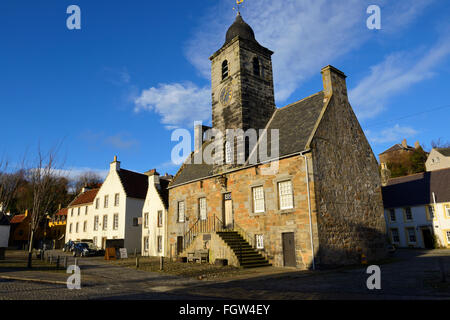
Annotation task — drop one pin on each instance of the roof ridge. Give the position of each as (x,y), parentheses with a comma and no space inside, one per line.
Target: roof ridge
(298,101)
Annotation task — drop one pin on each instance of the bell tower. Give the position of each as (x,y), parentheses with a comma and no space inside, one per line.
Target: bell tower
(241,81)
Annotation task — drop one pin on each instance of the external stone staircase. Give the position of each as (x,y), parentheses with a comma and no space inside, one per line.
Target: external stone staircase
(247,256)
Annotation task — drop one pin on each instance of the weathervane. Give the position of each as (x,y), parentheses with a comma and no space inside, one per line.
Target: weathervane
(238,2)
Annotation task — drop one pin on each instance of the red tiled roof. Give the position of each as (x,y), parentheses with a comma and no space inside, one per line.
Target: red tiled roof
(62,212)
(84,198)
(18,218)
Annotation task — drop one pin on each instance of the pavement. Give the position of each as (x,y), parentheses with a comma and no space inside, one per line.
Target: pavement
(415,275)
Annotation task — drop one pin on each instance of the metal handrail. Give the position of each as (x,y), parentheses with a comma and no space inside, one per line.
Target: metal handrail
(210,224)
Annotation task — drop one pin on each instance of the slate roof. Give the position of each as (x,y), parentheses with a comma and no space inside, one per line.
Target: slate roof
(417,189)
(135,184)
(444,151)
(164,192)
(295,122)
(4,221)
(84,198)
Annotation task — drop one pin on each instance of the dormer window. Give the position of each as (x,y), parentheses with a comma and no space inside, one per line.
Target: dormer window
(224,69)
(256,67)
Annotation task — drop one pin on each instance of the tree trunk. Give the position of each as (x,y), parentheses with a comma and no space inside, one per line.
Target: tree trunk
(30,249)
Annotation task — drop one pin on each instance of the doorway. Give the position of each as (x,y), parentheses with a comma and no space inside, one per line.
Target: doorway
(179,245)
(104,243)
(228,212)
(289,249)
(428,240)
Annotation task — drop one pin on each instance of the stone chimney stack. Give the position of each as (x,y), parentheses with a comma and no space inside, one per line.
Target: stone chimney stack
(153,177)
(115,165)
(334,82)
(404,144)
(417,145)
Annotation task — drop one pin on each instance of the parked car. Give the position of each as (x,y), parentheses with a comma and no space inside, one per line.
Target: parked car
(85,249)
(68,246)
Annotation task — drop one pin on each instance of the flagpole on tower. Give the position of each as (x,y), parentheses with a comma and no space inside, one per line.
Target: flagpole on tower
(238,3)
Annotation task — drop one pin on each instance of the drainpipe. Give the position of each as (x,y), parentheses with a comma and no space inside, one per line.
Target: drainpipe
(309,211)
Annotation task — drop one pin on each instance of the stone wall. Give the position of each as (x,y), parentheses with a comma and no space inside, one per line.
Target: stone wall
(272,223)
(347,182)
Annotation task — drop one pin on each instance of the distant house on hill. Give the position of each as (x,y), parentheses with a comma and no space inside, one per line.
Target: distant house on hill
(439,158)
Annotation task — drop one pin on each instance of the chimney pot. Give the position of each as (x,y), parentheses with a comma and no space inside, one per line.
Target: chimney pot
(404,144)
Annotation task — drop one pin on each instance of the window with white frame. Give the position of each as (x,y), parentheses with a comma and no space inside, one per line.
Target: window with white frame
(160,218)
(146,220)
(259,241)
(145,243)
(430,210)
(448,236)
(202,208)
(447,210)
(392,215)
(78,210)
(258,199)
(95,223)
(85,226)
(76,227)
(70,228)
(285,195)
(105,201)
(160,245)
(97,203)
(180,216)
(105,222)
(94,240)
(71,212)
(395,236)
(411,234)
(408,213)
(116,200)
(86,210)
(116,221)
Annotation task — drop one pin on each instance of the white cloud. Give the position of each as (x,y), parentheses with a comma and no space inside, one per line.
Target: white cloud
(178,104)
(398,72)
(305,35)
(73,173)
(394,134)
(121,141)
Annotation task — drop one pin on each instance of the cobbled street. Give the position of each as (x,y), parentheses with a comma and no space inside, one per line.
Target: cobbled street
(414,274)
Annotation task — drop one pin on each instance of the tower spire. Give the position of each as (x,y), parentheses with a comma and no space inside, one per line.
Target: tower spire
(238,3)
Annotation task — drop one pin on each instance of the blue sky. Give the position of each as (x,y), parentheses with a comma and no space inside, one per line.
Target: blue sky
(137,69)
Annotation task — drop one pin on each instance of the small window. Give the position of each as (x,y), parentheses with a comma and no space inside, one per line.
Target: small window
(94,240)
(447,210)
(71,212)
(430,211)
(256,68)
(395,236)
(136,222)
(408,213)
(97,203)
(95,223)
(180,216)
(86,210)
(70,228)
(228,153)
(116,200)
(392,215)
(224,69)
(78,210)
(85,226)
(76,228)
(448,237)
(285,195)
(105,203)
(145,243)
(411,233)
(160,218)
(258,199)
(105,222)
(202,208)
(160,244)
(259,241)
(146,220)
(116,221)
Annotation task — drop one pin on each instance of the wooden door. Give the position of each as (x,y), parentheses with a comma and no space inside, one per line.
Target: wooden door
(228,214)
(179,245)
(289,249)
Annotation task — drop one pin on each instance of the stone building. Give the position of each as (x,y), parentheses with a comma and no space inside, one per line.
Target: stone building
(320,206)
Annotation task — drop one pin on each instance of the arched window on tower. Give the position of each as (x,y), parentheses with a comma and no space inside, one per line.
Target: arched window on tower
(224,69)
(256,67)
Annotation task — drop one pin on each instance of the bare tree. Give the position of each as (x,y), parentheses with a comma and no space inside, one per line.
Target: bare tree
(87,179)
(439,143)
(9,183)
(44,180)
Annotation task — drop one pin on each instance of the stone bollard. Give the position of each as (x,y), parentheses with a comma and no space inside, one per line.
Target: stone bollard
(76,262)
(51,259)
(65,262)
(137,262)
(161,263)
(135,252)
(57,262)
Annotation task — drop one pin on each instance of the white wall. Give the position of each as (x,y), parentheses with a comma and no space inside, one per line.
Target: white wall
(133,233)
(4,236)
(74,218)
(436,161)
(153,204)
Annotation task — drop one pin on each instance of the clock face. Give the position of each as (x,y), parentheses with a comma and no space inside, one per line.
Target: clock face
(226,94)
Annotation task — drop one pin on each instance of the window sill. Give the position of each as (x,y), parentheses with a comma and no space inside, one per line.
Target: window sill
(286,211)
